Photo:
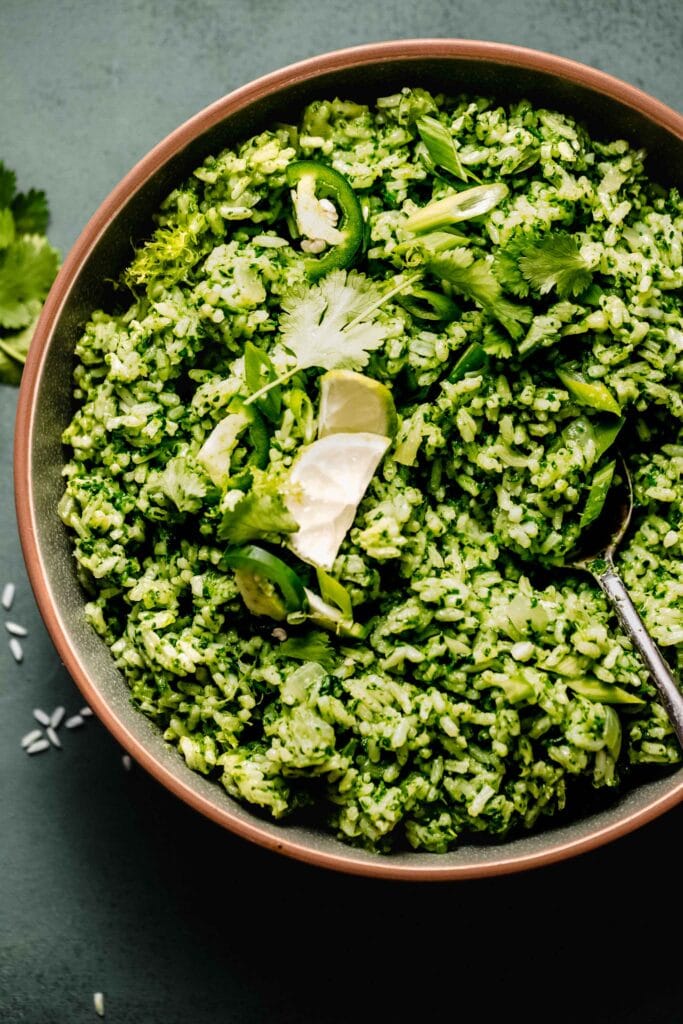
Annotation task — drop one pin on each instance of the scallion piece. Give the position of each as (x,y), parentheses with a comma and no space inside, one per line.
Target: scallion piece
(334,592)
(440,145)
(606,693)
(428,305)
(458,206)
(588,392)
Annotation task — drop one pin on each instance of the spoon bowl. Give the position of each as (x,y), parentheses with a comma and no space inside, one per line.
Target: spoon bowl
(602,538)
(598,550)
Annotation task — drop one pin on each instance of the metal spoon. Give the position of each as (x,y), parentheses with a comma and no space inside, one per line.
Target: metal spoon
(615,518)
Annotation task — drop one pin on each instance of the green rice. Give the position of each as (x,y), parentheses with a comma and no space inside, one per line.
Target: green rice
(491,688)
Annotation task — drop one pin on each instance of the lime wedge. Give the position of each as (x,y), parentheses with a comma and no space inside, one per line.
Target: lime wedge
(328,480)
(351,403)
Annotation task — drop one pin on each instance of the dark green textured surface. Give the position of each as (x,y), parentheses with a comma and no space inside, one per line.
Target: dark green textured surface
(106,882)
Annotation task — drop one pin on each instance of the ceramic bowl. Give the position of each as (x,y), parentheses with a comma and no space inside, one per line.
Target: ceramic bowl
(609,107)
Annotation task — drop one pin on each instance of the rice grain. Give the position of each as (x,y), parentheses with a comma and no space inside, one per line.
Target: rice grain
(38,746)
(98,1003)
(57,716)
(53,737)
(31,737)
(8,592)
(40,716)
(16,649)
(15,629)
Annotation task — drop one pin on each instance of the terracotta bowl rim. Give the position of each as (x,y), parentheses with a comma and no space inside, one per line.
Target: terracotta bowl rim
(348,861)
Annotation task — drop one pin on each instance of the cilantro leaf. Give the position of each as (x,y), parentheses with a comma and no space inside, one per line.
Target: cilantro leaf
(184,484)
(506,268)
(31,213)
(7,231)
(28,265)
(333,324)
(259,513)
(8,185)
(475,280)
(27,269)
(540,264)
(313,646)
(556,262)
(13,352)
(10,369)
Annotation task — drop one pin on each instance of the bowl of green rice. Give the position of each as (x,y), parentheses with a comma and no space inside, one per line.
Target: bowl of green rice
(319,406)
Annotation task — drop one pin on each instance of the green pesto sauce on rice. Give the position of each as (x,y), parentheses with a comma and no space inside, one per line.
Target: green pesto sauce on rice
(487,685)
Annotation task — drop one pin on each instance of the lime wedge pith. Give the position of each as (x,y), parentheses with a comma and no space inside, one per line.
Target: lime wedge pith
(328,480)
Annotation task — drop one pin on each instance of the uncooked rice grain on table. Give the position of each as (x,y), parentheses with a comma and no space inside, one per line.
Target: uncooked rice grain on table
(38,746)
(53,737)
(16,649)
(15,629)
(8,592)
(31,737)
(57,716)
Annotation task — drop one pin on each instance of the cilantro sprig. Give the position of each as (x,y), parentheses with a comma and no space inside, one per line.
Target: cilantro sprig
(28,265)
(333,324)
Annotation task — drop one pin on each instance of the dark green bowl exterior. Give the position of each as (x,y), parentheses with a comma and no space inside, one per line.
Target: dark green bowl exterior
(609,109)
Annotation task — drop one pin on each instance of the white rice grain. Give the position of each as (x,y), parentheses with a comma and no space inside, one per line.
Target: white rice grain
(73,722)
(8,592)
(40,716)
(31,737)
(53,737)
(126,762)
(86,712)
(57,716)
(15,629)
(16,649)
(38,746)
(98,1003)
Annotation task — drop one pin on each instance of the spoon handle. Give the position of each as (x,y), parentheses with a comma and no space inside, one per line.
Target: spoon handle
(671,697)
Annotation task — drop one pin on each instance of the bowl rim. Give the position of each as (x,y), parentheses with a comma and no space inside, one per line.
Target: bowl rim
(302,71)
